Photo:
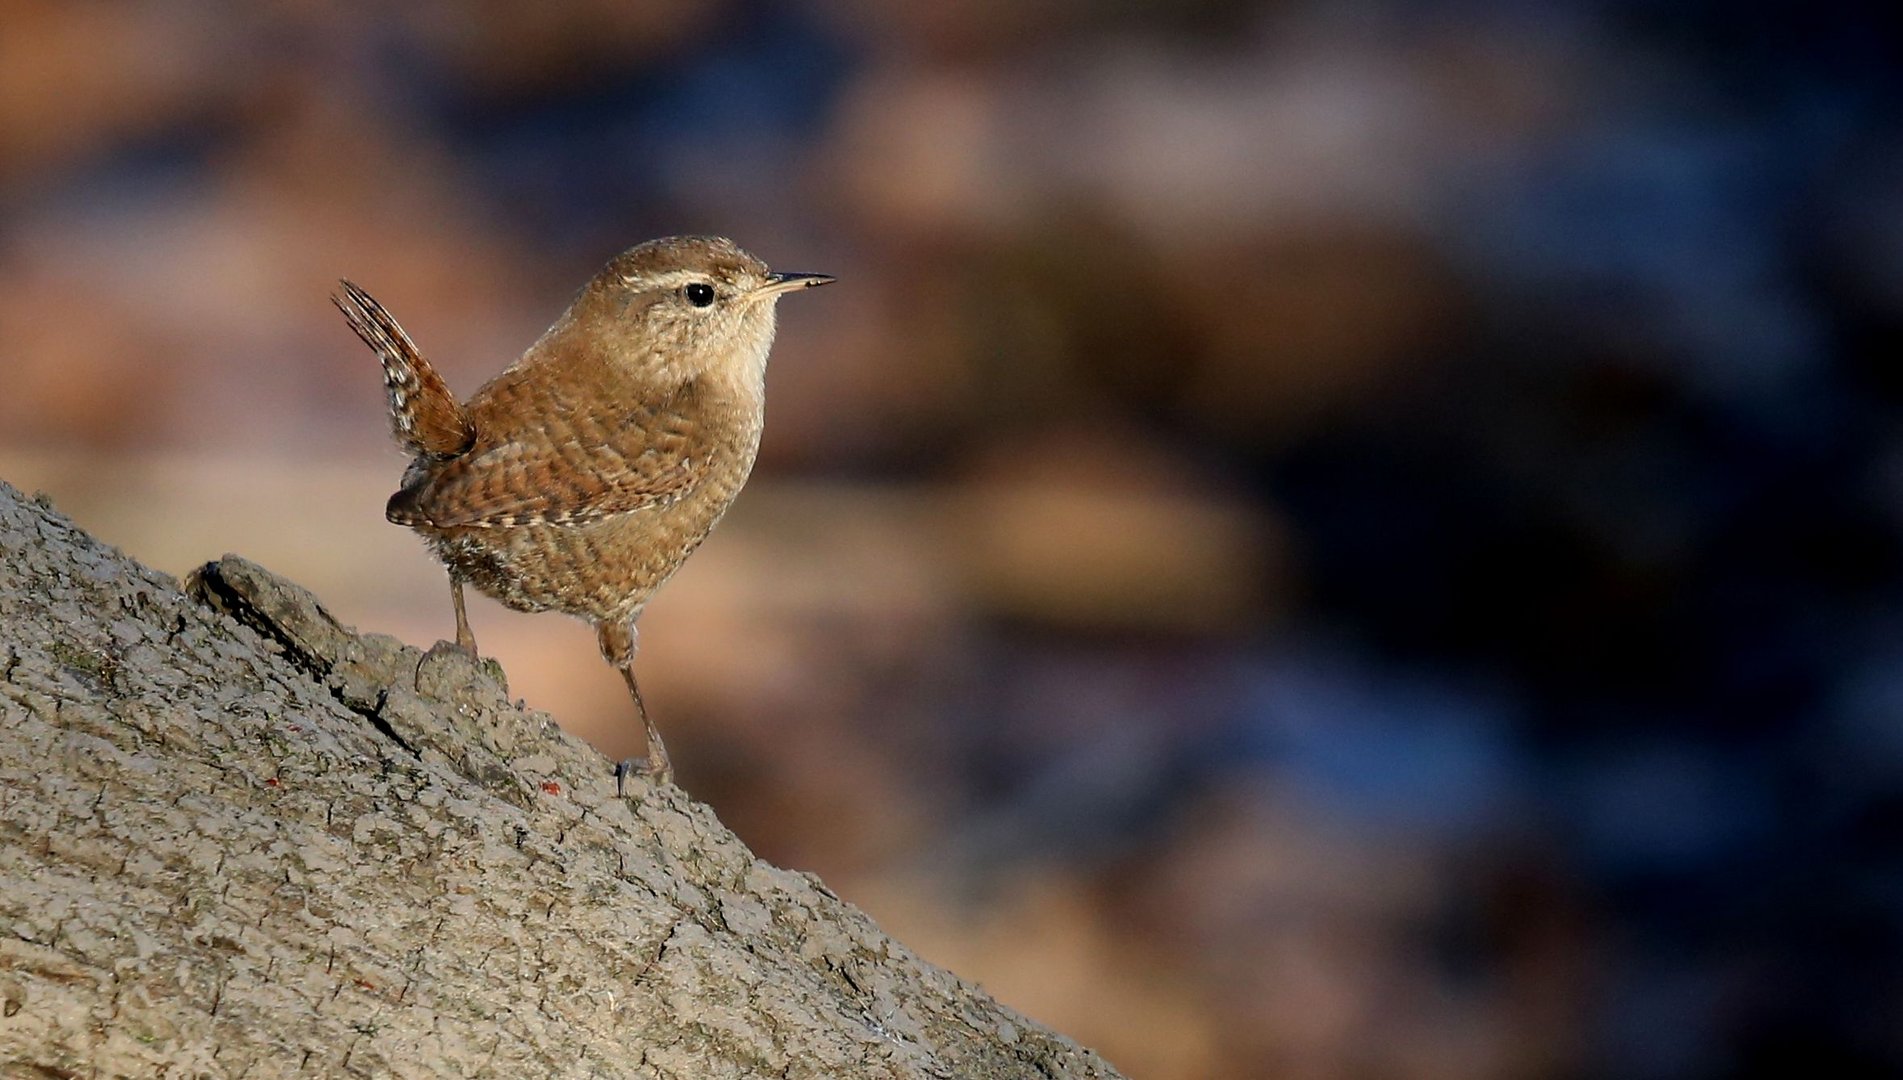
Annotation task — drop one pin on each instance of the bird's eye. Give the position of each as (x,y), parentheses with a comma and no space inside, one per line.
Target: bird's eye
(699,294)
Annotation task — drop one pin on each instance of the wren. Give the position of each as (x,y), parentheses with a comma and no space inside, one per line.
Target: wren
(580,478)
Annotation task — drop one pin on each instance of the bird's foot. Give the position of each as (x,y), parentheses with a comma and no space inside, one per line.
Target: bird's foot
(458,647)
(653,772)
(447,664)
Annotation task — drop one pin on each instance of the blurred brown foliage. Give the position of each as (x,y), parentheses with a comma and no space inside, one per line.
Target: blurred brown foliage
(999,570)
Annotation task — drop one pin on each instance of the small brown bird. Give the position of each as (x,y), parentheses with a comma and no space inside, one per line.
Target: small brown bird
(580,479)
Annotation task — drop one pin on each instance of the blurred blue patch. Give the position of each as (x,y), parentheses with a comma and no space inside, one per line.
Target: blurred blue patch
(667,147)
(1372,748)
(1663,807)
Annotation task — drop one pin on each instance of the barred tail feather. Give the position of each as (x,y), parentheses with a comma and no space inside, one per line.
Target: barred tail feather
(424,416)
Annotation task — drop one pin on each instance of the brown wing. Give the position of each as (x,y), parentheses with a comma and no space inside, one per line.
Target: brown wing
(580,465)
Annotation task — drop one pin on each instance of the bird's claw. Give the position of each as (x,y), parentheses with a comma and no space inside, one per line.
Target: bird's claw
(640,766)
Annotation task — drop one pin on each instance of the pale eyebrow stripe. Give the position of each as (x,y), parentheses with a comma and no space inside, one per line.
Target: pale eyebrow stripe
(670,279)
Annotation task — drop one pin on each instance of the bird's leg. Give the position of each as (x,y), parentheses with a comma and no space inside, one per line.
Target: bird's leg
(655,765)
(465,640)
(617,645)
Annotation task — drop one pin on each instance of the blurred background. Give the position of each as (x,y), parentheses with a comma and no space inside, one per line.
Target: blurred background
(1313,538)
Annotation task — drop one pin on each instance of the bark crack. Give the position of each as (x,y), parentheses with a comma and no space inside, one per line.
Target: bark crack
(209,584)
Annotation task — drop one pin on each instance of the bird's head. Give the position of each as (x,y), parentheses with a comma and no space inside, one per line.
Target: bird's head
(686,306)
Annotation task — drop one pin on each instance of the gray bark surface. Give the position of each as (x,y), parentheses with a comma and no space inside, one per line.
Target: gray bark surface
(240,839)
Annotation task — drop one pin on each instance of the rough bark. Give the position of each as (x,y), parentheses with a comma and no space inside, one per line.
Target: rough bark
(240,839)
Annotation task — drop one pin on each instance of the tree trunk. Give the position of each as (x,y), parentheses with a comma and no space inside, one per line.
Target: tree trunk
(240,839)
